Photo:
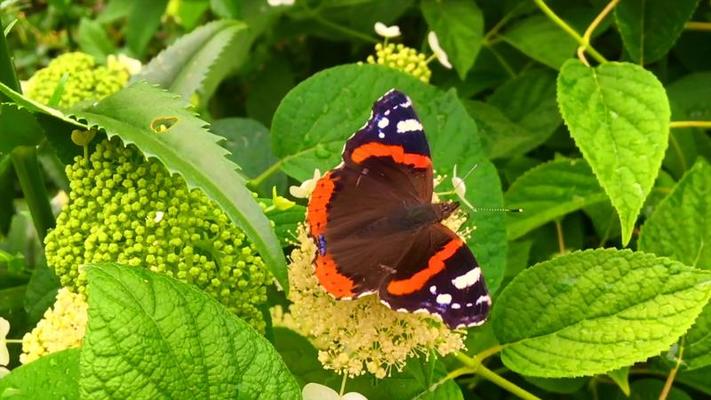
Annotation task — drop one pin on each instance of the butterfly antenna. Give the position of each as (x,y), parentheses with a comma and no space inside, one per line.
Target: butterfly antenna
(507,210)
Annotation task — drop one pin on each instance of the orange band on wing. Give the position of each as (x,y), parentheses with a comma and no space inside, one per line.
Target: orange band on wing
(434,266)
(317,215)
(335,283)
(397,153)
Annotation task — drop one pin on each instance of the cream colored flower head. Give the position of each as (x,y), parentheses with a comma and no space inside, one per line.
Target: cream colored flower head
(438,51)
(4,330)
(277,3)
(362,335)
(385,31)
(62,327)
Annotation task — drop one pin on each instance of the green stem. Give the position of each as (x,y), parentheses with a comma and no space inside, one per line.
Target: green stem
(698,26)
(273,169)
(24,158)
(672,374)
(15,341)
(27,168)
(559,233)
(569,30)
(690,124)
(347,31)
(504,383)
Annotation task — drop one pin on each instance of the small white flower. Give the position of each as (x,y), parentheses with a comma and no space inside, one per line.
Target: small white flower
(132,65)
(304,190)
(387,31)
(315,391)
(277,3)
(438,51)
(158,217)
(4,330)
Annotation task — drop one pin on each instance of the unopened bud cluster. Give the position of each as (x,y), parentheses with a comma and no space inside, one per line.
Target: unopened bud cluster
(75,77)
(126,209)
(402,58)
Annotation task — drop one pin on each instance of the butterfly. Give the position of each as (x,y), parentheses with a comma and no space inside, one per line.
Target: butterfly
(377,231)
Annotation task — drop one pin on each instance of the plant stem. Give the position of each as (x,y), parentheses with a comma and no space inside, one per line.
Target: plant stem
(591,28)
(13,341)
(504,383)
(672,374)
(561,240)
(452,375)
(569,30)
(690,124)
(27,168)
(698,26)
(24,158)
(273,169)
(347,31)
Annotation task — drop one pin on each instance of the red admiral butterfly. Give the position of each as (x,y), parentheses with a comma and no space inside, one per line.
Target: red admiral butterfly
(377,230)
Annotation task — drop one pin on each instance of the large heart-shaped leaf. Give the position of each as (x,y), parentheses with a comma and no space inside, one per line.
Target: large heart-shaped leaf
(618,114)
(151,336)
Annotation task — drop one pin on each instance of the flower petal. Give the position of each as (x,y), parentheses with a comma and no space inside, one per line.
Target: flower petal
(353,396)
(315,391)
(4,328)
(460,188)
(387,31)
(4,354)
(438,51)
(304,190)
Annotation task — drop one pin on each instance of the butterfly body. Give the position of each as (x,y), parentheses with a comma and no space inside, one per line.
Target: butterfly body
(377,230)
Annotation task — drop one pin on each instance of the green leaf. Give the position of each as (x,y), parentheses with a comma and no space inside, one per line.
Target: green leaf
(153,336)
(267,87)
(188,149)
(314,120)
(649,28)
(197,62)
(20,128)
(459,25)
(286,222)
(548,192)
(302,359)
(530,101)
(143,21)
(621,377)
(501,137)
(53,376)
(539,38)
(686,242)
(645,389)
(249,144)
(596,310)
(557,385)
(618,114)
(41,292)
(93,39)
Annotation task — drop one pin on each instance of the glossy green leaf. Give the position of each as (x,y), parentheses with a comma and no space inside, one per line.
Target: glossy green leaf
(185,147)
(687,242)
(19,128)
(459,25)
(649,28)
(41,292)
(249,143)
(93,39)
(197,62)
(539,38)
(621,377)
(593,311)
(548,192)
(501,137)
(309,132)
(143,21)
(53,376)
(557,385)
(618,114)
(530,101)
(151,336)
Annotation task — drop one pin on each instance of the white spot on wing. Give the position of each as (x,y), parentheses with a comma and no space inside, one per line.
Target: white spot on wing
(409,125)
(406,104)
(383,123)
(469,304)
(483,299)
(433,289)
(387,112)
(468,279)
(456,306)
(381,135)
(444,298)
